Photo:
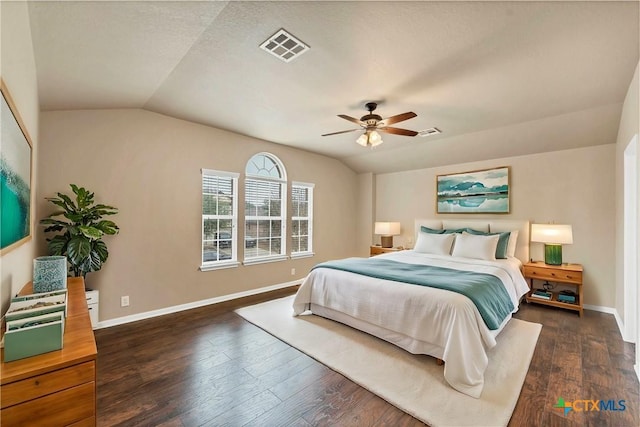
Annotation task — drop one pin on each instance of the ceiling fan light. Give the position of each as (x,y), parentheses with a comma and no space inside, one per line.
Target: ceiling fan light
(369,139)
(362,140)
(374,138)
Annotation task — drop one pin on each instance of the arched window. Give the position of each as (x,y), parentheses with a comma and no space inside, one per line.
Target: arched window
(265,209)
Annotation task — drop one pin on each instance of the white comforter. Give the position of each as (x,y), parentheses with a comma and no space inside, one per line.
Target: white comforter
(420,319)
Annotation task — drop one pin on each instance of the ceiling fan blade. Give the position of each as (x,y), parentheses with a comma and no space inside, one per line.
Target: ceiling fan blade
(352,119)
(398,131)
(398,118)
(342,131)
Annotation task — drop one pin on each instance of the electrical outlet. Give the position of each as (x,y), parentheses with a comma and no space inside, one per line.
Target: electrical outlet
(124,301)
(293,271)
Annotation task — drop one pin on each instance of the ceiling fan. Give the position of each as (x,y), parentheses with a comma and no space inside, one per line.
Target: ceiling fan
(373,123)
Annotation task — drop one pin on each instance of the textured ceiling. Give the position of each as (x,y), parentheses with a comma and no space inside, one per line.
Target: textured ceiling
(542,75)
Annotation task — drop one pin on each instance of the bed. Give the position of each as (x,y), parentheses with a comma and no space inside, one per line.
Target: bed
(442,321)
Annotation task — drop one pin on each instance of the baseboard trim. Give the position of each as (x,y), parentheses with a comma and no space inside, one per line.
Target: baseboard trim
(620,323)
(176,308)
(616,315)
(602,309)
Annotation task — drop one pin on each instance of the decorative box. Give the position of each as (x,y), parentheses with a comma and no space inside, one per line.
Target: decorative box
(49,273)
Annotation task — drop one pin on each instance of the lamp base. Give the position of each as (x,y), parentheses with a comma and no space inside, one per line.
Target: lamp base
(553,254)
(387,241)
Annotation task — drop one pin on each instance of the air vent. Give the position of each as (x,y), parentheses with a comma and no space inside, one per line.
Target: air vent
(429,132)
(284,46)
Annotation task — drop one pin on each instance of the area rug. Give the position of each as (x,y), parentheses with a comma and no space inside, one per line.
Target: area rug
(410,382)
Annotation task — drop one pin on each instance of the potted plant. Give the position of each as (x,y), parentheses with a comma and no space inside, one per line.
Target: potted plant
(82,225)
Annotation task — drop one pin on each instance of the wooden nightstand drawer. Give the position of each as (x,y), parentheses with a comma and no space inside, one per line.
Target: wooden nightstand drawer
(377,250)
(559,275)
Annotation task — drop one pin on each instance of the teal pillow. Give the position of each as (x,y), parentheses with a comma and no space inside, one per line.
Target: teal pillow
(447,231)
(503,241)
(454,230)
(430,230)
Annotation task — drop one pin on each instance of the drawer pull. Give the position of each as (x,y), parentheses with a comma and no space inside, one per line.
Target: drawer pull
(553,274)
(37,382)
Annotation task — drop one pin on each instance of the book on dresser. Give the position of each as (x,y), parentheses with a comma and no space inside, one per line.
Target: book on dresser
(538,293)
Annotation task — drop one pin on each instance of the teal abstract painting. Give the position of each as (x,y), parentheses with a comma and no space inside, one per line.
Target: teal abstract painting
(15,179)
(484,191)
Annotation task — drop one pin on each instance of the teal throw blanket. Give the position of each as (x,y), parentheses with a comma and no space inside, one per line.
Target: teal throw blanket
(485,290)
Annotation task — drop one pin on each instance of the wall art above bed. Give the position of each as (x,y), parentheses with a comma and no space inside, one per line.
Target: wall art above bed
(481,191)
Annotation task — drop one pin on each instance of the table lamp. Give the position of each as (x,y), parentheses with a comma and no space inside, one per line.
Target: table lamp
(553,236)
(387,230)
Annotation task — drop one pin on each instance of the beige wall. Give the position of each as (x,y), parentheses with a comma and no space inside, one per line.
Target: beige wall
(629,126)
(18,71)
(366,204)
(566,187)
(148,165)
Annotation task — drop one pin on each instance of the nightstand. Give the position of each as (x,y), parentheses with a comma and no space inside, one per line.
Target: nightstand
(568,274)
(377,250)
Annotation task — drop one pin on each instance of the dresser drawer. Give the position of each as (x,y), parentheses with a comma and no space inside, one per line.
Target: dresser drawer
(60,409)
(42,385)
(92,296)
(553,275)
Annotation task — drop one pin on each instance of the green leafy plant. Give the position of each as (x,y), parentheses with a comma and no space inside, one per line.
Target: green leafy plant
(82,228)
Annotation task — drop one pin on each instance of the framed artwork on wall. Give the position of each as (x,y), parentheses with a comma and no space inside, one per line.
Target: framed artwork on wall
(482,191)
(15,176)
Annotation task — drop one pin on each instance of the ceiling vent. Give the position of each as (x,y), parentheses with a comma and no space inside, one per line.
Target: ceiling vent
(284,46)
(429,132)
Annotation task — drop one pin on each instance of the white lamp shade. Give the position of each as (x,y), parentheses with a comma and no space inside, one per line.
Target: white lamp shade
(375,139)
(362,140)
(552,233)
(371,139)
(387,228)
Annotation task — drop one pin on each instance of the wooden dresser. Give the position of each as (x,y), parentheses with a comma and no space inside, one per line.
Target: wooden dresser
(56,388)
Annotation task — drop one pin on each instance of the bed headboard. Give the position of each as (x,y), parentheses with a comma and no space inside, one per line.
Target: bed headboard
(488,225)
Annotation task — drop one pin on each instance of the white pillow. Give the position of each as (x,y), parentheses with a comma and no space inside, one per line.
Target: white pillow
(511,247)
(437,244)
(476,246)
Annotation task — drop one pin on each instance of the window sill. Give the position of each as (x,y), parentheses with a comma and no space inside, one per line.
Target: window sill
(227,264)
(302,255)
(265,260)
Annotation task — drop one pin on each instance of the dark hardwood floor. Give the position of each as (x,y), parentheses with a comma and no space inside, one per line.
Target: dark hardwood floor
(210,367)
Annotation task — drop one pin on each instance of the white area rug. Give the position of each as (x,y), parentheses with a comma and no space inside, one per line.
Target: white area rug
(410,382)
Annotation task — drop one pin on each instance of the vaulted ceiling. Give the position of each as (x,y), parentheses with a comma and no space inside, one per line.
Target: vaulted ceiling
(540,75)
